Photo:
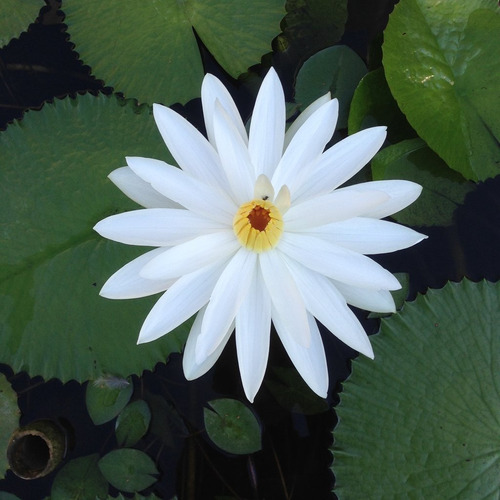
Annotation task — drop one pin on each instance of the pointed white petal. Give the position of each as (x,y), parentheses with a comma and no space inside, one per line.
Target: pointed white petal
(267,129)
(191,369)
(226,299)
(138,190)
(181,301)
(341,162)
(367,236)
(327,304)
(337,262)
(401,194)
(306,146)
(253,327)
(285,296)
(212,90)
(156,227)
(369,300)
(193,153)
(331,207)
(191,255)
(302,118)
(189,192)
(127,284)
(263,189)
(310,361)
(234,157)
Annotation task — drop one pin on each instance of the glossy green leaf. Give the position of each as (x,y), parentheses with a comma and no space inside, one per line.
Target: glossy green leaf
(148,50)
(128,469)
(442,65)
(337,70)
(104,402)
(9,419)
(443,189)
(53,189)
(16,16)
(232,426)
(132,423)
(80,479)
(422,419)
(372,105)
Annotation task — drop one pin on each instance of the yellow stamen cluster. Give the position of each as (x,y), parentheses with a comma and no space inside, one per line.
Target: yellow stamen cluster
(258,225)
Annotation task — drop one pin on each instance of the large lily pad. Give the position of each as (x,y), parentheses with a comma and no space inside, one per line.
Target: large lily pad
(422,419)
(148,50)
(442,64)
(16,17)
(53,189)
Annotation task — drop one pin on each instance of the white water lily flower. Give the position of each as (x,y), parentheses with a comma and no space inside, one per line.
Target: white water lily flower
(252,229)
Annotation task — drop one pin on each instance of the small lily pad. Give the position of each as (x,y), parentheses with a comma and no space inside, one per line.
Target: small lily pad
(128,469)
(9,419)
(232,426)
(104,402)
(421,420)
(132,423)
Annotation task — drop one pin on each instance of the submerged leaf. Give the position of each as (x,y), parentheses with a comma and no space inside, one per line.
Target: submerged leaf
(132,423)
(421,420)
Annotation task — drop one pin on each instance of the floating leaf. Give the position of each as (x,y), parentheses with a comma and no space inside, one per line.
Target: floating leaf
(8,496)
(16,17)
(128,470)
(232,426)
(104,403)
(442,65)
(9,419)
(80,479)
(53,189)
(421,420)
(372,104)
(443,190)
(148,50)
(132,423)
(337,70)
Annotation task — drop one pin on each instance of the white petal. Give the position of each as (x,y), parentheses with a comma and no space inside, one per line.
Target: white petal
(401,194)
(191,255)
(369,300)
(367,236)
(156,227)
(138,190)
(341,162)
(127,284)
(267,129)
(310,361)
(181,301)
(328,305)
(189,192)
(253,327)
(193,153)
(212,90)
(285,296)
(191,369)
(332,207)
(226,299)
(234,157)
(306,146)
(337,262)
(301,119)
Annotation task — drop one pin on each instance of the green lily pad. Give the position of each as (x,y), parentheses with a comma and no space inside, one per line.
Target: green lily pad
(443,190)
(16,17)
(441,62)
(104,403)
(9,419)
(128,469)
(232,426)
(148,50)
(132,423)
(337,70)
(53,190)
(80,479)
(422,419)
